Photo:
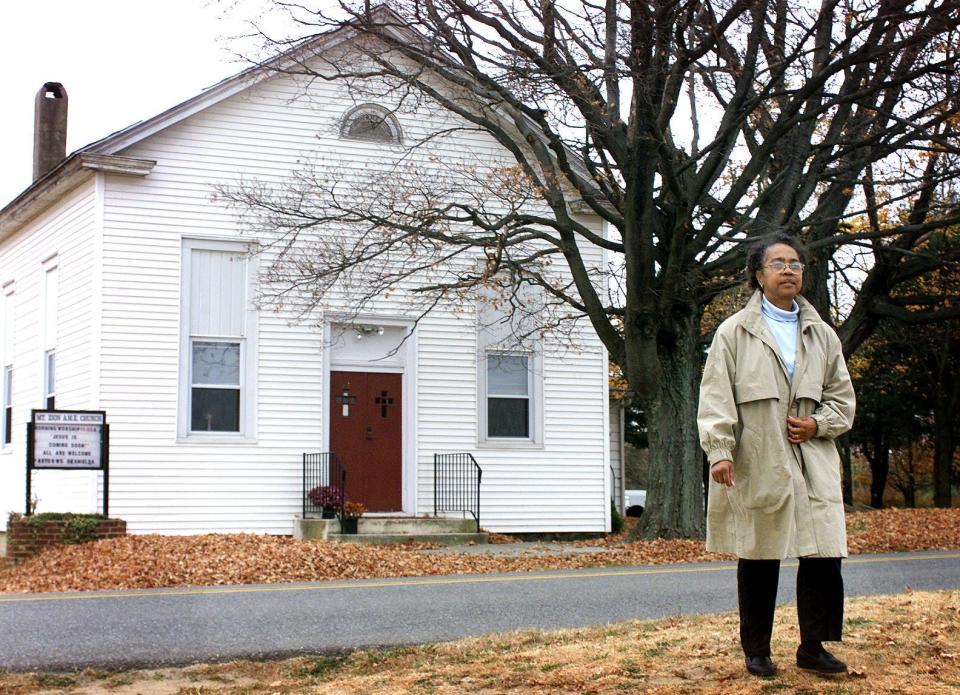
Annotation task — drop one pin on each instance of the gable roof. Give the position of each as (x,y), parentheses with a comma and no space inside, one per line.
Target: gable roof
(216,93)
(67,174)
(295,55)
(101,155)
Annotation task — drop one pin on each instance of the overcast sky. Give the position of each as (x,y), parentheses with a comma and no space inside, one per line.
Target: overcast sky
(121,61)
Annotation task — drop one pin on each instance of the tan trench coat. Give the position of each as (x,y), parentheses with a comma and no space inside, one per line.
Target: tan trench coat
(787,499)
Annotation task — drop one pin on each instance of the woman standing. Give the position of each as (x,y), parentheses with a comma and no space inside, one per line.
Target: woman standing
(775,393)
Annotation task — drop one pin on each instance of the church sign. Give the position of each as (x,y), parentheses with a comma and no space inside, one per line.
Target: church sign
(68,440)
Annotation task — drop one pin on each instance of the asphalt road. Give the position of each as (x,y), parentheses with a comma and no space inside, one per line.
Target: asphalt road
(178,626)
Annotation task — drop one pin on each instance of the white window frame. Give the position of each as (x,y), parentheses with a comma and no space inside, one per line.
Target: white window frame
(50,379)
(535,395)
(49,331)
(7,348)
(248,351)
(386,117)
(534,398)
(491,341)
(238,387)
(6,427)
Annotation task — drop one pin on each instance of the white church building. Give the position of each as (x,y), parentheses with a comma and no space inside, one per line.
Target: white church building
(125,287)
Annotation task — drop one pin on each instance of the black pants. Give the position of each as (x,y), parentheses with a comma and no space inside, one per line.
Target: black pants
(819,601)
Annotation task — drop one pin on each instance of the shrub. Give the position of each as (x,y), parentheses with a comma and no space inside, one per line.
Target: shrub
(77,528)
(352,510)
(326,496)
(616,521)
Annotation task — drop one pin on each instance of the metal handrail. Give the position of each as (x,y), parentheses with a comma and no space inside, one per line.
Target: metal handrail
(325,473)
(456,484)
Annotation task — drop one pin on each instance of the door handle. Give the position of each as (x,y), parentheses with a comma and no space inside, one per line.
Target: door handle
(369,433)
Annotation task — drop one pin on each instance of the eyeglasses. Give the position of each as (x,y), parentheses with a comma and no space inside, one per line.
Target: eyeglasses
(780,266)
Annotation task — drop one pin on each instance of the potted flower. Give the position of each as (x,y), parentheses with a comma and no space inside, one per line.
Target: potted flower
(327,497)
(349,516)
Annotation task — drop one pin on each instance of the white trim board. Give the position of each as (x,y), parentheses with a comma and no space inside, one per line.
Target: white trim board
(408,369)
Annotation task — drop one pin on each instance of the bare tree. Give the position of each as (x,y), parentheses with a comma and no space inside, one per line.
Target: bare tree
(689,127)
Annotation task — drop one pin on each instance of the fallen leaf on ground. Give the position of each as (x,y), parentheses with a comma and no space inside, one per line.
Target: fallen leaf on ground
(153,561)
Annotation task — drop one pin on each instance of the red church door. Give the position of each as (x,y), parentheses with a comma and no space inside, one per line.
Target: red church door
(366,432)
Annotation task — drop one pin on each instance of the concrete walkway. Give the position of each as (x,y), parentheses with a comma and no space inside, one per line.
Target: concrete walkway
(519,549)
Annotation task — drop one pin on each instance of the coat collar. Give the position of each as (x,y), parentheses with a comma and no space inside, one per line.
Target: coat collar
(754,324)
(753,318)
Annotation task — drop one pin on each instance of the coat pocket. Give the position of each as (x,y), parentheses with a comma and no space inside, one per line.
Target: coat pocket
(821,469)
(759,471)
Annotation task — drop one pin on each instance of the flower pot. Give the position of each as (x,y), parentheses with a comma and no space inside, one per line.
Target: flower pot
(328,513)
(348,525)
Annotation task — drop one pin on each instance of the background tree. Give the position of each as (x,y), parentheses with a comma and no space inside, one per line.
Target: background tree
(908,385)
(911,470)
(930,352)
(690,128)
(888,421)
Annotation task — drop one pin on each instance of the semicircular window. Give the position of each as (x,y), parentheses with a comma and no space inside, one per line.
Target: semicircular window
(371,122)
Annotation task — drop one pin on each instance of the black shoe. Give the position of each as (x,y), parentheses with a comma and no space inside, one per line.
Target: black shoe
(824,662)
(761,666)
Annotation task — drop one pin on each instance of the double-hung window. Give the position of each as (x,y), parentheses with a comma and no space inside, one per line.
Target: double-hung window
(214,385)
(510,372)
(6,359)
(51,294)
(217,380)
(7,405)
(50,379)
(509,378)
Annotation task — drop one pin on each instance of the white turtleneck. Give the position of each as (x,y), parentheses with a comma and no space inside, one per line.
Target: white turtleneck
(783,324)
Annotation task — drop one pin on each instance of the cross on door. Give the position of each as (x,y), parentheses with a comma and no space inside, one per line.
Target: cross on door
(346,400)
(384,401)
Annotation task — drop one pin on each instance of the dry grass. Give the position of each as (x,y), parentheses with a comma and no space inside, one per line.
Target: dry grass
(907,643)
(140,562)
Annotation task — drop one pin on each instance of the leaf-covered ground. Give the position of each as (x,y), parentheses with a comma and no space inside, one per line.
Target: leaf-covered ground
(908,643)
(150,561)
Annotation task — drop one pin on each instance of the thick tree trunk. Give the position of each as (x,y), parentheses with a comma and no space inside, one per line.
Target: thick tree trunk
(675,486)
(847,460)
(816,287)
(910,496)
(944,444)
(946,401)
(705,479)
(910,487)
(905,481)
(879,468)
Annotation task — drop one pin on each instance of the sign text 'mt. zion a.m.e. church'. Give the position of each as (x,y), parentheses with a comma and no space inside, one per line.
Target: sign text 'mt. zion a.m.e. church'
(64,439)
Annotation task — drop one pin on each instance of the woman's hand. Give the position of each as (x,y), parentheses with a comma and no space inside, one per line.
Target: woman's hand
(800,429)
(722,472)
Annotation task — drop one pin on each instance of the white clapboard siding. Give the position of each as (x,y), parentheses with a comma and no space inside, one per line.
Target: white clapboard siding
(557,487)
(617,411)
(160,484)
(67,231)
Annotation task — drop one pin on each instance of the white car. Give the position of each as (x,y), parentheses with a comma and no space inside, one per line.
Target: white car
(634,501)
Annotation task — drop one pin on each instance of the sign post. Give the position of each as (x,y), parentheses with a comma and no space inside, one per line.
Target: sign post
(69,440)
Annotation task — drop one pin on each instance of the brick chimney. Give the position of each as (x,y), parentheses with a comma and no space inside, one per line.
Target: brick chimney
(49,128)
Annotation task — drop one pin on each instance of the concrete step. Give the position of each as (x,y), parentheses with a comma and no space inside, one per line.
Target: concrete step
(416,525)
(392,530)
(389,538)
